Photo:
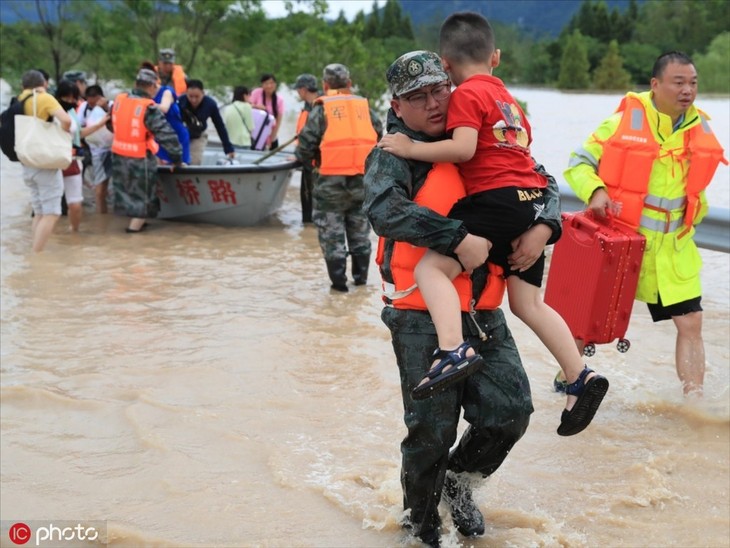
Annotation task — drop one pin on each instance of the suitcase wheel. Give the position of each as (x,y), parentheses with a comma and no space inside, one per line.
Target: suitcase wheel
(623,345)
(589,349)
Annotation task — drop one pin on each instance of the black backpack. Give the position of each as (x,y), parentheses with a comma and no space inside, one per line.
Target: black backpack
(7,127)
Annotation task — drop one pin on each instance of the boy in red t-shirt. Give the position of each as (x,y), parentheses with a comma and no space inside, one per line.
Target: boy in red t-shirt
(490,140)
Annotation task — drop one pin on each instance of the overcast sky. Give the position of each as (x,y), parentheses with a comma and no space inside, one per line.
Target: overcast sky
(275,8)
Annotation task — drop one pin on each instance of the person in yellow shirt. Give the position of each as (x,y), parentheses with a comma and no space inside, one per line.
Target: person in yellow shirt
(46,185)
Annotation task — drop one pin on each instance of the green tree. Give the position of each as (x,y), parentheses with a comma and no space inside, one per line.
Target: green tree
(199,18)
(574,64)
(638,60)
(372,25)
(624,29)
(611,74)
(683,25)
(713,67)
(151,17)
(394,23)
(56,22)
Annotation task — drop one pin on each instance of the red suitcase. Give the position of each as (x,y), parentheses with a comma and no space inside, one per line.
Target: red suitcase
(592,279)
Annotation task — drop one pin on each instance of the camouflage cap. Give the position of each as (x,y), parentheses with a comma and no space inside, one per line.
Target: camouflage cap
(336,75)
(415,70)
(308,81)
(146,76)
(167,55)
(74,76)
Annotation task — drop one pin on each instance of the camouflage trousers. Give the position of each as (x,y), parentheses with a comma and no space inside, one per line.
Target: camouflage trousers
(135,182)
(342,226)
(496,400)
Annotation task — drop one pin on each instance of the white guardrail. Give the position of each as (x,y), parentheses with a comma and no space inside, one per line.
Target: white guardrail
(712,233)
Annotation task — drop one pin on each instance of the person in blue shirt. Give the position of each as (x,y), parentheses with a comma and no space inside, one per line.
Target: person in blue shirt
(166,99)
(197,108)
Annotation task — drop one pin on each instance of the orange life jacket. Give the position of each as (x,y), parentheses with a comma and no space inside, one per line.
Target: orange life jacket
(349,136)
(705,154)
(131,137)
(303,115)
(178,80)
(629,155)
(441,189)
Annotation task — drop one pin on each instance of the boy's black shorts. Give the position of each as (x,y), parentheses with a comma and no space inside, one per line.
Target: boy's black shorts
(500,216)
(660,312)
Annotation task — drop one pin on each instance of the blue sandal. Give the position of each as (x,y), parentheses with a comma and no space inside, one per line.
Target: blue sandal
(454,366)
(590,395)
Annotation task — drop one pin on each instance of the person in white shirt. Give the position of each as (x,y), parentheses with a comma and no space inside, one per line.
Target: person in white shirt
(94,115)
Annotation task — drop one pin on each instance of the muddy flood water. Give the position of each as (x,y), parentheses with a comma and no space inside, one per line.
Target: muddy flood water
(199,386)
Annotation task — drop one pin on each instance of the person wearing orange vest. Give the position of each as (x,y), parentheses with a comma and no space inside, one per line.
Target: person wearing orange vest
(139,126)
(171,74)
(649,165)
(339,133)
(306,87)
(407,203)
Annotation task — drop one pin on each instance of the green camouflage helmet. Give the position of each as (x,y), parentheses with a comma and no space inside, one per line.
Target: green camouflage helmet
(415,70)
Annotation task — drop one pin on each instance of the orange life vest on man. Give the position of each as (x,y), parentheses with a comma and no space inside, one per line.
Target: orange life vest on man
(629,155)
(178,80)
(131,137)
(441,189)
(349,136)
(302,120)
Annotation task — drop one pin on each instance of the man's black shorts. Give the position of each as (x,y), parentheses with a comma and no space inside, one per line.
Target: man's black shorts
(660,312)
(500,216)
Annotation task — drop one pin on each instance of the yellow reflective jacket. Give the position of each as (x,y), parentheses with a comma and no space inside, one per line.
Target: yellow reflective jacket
(672,263)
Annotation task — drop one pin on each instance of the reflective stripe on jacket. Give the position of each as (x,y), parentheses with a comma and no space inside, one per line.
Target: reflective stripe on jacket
(672,263)
(442,188)
(349,136)
(628,159)
(131,138)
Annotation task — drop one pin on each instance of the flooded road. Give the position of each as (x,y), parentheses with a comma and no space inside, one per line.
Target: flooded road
(201,386)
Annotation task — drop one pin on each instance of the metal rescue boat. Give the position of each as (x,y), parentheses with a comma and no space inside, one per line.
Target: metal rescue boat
(240,192)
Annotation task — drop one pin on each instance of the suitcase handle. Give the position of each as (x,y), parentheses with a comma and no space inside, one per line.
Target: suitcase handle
(586,227)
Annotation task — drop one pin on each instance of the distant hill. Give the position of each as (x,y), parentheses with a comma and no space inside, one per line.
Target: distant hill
(539,17)
(535,16)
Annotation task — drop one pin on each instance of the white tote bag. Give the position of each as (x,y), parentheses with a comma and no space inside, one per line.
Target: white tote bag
(39,144)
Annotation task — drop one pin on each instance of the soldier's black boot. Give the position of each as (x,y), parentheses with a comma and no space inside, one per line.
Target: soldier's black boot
(360,264)
(337,270)
(466,515)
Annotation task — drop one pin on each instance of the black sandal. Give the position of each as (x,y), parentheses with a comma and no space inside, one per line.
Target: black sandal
(454,366)
(590,395)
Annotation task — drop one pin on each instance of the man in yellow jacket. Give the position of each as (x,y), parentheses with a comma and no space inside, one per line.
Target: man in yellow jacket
(649,164)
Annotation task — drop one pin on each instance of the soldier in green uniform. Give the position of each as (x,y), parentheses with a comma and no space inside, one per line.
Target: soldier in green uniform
(496,400)
(337,143)
(134,172)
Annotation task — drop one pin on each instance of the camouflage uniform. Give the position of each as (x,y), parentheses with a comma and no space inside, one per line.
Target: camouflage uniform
(135,180)
(496,399)
(307,184)
(337,201)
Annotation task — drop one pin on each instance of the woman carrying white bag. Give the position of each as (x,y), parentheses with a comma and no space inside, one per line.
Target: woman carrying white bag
(31,141)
